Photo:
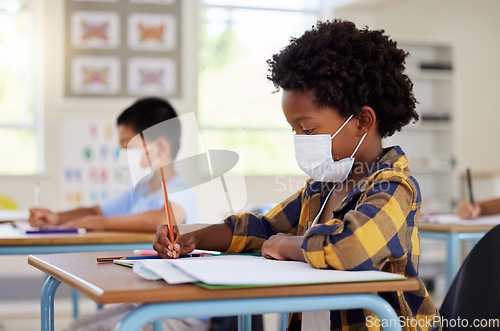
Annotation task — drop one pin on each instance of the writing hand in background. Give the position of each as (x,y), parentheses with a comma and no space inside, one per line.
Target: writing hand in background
(467,210)
(43,217)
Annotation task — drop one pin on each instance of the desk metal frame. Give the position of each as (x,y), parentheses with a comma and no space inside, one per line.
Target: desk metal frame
(50,249)
(452,245)
(243,307)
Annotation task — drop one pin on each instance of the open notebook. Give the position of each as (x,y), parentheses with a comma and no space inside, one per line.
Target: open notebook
(242,271)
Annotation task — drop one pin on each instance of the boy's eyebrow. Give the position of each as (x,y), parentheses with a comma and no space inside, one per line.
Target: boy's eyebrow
(301,118)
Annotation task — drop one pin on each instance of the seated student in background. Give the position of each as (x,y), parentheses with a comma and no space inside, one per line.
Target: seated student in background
(467,210)
(128,210)
(344,89)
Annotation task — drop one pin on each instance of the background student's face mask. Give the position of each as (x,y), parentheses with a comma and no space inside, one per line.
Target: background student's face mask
(314,156)
(140,175)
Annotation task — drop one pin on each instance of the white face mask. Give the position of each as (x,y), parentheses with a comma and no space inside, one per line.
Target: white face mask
(314,156)
(140,175)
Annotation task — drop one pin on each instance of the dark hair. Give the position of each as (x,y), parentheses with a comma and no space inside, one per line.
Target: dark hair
(348,68)
(147,112)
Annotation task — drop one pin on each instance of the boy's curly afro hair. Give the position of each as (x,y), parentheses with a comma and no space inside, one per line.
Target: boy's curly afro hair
(347,68)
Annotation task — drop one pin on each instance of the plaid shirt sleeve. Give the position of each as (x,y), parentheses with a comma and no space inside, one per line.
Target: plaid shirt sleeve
(251,230)
(369,234)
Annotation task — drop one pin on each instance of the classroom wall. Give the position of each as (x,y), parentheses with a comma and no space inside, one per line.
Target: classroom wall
(57,110)
(472,26)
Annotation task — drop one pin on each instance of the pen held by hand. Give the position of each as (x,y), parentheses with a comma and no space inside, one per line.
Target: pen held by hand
(469,185)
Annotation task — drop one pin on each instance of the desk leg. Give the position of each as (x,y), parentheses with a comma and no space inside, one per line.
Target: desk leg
(158,325)
(47,303)
(151,312)
(245,322)
(451,258)
(284,321)
(75,296)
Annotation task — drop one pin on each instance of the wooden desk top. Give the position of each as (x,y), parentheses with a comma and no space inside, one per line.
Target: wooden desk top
(437,227)
(89,238)
(110,283)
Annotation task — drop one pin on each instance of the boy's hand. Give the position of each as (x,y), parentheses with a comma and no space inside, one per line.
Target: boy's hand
(466,210)
(283,246)
(183,244)
(42,217)
(91,222)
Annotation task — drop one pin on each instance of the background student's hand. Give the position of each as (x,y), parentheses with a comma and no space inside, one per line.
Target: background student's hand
(43,217)
(183,244)
(283,246)
(466,210)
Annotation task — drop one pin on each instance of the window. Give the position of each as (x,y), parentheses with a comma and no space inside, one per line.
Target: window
(237,108)
(20,101)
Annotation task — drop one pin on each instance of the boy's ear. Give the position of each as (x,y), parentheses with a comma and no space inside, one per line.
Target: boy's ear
(164,148)
(367,120)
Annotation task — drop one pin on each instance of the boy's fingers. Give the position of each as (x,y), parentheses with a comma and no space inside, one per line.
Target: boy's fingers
(162,244)
(163,252)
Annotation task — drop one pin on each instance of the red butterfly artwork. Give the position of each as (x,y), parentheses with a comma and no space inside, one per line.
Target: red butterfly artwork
(95,75)
(151,77)
(151,33)
(95,31)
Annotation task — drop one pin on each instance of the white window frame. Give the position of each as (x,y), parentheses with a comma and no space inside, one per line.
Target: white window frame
(37,127)
(323,7)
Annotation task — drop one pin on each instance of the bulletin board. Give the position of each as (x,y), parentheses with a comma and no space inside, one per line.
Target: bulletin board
(122,48)
(93,168)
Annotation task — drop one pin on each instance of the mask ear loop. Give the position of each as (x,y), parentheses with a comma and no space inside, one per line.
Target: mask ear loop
(359,144)
(345,123)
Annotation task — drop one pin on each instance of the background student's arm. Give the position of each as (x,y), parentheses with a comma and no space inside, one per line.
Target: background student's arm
(142,222)
(490,207)
(466,210)
(368,235)
(45,217)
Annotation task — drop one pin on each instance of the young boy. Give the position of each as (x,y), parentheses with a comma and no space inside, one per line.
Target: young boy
(128,210)
(343,91)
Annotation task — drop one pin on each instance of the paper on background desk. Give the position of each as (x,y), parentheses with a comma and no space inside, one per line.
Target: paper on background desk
(236,270)
(13,215)
(19,229)
(8,231)
(454,219)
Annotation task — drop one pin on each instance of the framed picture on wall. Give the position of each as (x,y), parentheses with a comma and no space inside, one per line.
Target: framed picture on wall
(99,75)
(122,49)
(151,76)
(151,32)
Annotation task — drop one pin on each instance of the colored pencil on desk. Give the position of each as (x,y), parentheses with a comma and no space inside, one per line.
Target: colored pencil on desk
(108,259)
(56,230)
(113,258)
(145,252)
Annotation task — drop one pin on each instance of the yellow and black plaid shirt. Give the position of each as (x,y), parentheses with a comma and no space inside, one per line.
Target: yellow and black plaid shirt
(373,228)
